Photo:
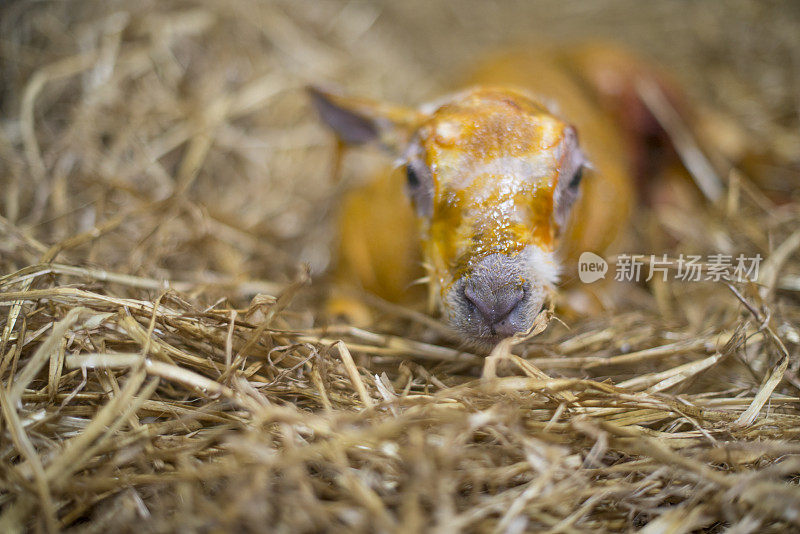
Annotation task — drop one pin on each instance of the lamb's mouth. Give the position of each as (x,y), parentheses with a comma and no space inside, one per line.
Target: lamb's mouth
(490,340)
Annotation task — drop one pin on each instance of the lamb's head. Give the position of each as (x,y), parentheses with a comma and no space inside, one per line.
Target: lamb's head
(492,175)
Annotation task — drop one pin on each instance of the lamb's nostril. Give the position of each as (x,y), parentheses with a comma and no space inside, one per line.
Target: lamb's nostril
(494,304)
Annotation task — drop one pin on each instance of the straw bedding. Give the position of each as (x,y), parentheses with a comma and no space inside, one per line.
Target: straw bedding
(165,230)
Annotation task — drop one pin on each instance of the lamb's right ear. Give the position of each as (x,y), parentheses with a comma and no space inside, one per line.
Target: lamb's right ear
(359,121)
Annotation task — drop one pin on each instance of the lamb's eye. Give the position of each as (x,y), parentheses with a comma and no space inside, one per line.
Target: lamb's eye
(419,186)
(576,178)
(411,176)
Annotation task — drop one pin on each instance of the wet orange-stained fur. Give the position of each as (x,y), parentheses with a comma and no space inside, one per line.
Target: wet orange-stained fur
(590,88)
(482,128)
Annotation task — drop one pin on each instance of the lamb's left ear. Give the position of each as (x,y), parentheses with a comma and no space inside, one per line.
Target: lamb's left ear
(359,121)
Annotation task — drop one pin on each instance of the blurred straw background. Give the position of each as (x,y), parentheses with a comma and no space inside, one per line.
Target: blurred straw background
(165,229)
